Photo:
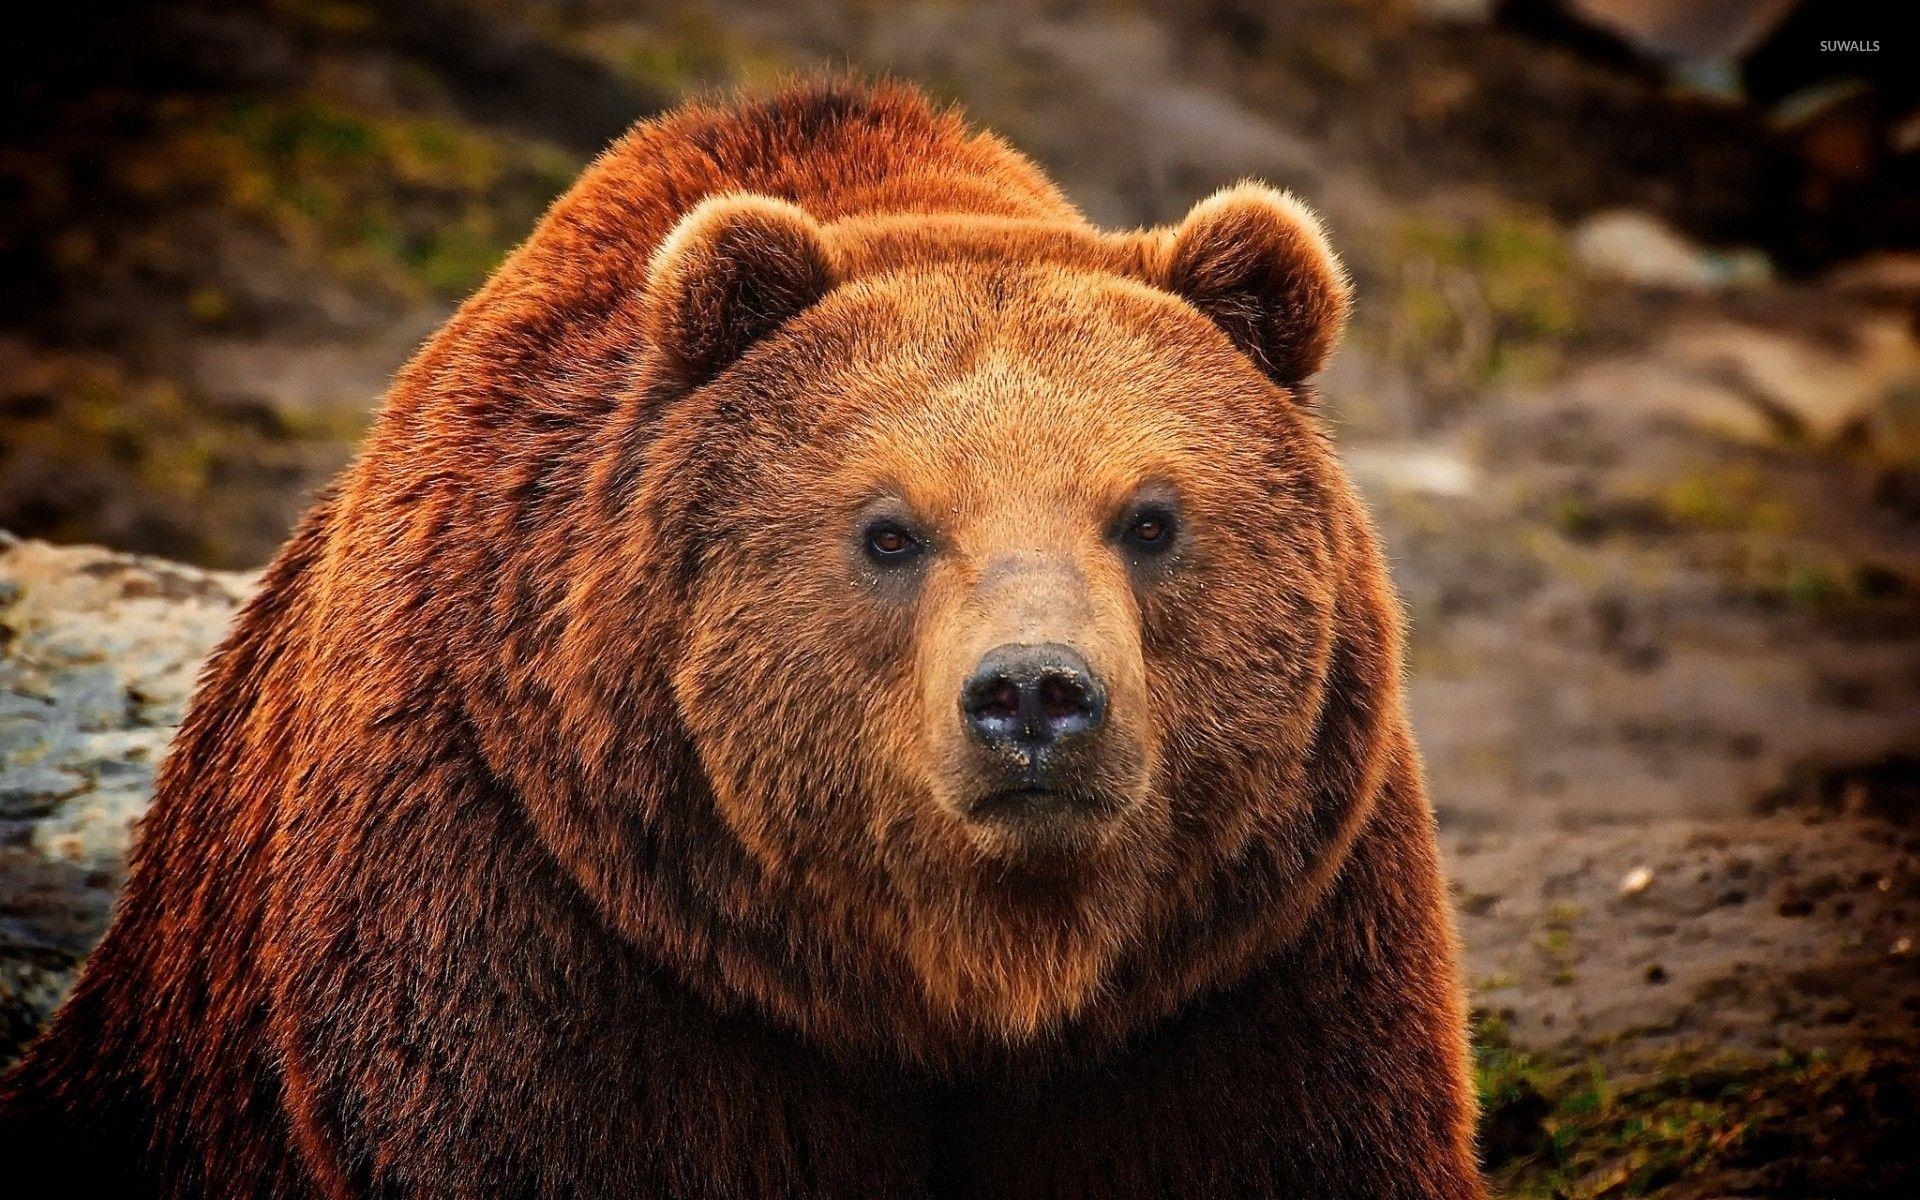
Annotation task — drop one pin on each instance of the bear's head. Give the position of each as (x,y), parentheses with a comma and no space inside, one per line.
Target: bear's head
(997,599)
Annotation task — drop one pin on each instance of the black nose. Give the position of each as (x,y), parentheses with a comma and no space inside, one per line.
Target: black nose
(1032,697)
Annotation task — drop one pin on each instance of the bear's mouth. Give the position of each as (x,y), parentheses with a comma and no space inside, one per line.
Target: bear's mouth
(1053,828)
(1020,804)
(1041,805)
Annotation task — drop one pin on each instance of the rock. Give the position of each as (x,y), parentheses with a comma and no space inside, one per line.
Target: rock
(1384,467)
(1808,384)
(1687,30)
(1889,273)
(1820,387)
(98,654)
(1635,248)
(1465,12)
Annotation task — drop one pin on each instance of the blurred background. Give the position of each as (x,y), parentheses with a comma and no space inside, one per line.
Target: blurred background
(1633,384)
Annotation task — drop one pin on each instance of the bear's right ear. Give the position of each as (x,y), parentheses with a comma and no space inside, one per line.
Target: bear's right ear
(1257,263)
(732,271)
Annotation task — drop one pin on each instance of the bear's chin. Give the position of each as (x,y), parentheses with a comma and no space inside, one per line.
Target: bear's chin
(1026,937)
(1014,981)
(1037,860)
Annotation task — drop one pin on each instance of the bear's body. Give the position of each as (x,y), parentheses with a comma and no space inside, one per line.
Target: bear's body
(580,809)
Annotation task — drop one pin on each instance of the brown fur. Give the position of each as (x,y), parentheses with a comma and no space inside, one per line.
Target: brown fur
(574,812)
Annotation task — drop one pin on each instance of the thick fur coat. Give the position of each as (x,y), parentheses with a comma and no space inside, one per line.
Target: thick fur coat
(584,806)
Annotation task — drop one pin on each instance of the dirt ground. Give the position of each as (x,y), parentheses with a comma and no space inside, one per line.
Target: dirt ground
(1659,540)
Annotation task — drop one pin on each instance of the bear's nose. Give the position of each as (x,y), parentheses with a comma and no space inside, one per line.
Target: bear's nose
(1032,698)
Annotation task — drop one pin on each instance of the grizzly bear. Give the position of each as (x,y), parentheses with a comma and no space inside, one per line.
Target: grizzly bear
(830,677)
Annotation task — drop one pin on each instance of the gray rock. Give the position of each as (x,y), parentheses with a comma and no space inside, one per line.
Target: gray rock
(98,655)
(1760,383)
(1635,248)
(1687,30)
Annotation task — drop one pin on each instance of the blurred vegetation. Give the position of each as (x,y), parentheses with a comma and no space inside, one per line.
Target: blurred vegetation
(1476,303)
(682,50)
(1734,498)
(416,203)
(1560,1130)
(92,445)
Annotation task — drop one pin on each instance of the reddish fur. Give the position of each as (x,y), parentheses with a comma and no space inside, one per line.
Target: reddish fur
(554,823)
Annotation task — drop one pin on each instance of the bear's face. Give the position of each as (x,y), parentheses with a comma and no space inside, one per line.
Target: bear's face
(1007,602)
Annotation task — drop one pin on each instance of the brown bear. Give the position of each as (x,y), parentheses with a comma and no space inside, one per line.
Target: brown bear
(831,677)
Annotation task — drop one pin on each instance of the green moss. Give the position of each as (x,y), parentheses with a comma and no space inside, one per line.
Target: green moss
(688,50)
(209,305)
(677,52)
(456,258)
(1819,586)
(1555,942)
(423,205)
(1567,1130)
(1575,516)
(1522,265)
(1825,582)
(108,433)
(1476,303)
(1737,498)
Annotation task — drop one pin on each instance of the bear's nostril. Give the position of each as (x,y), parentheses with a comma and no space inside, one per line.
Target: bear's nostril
(1002,700)
(1062,698)
(1032,696)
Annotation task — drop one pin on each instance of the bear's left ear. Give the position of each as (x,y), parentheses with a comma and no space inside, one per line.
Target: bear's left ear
(1256,262)
(733,270)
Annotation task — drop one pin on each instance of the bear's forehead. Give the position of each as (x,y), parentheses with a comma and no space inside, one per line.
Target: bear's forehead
(877,245)
(967,383)
(1014,331)
(951,363)
(1011,413)
(1059,295)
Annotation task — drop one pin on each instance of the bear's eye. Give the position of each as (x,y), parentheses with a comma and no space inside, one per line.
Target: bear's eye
(1150,529)
(888,543)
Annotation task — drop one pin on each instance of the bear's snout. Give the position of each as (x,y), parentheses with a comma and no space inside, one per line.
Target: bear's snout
(1033,708)
(1033,700)
(1036,695)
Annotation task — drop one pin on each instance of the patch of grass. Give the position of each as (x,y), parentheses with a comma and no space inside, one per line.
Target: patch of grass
(1556,941)
(1480,303)
(419,203)
(1800,1125)
(1576,517)
(85,434)
(1826,584)
(209,305)
(1817,586)
(455,258)
(678,52)
(1736,498)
